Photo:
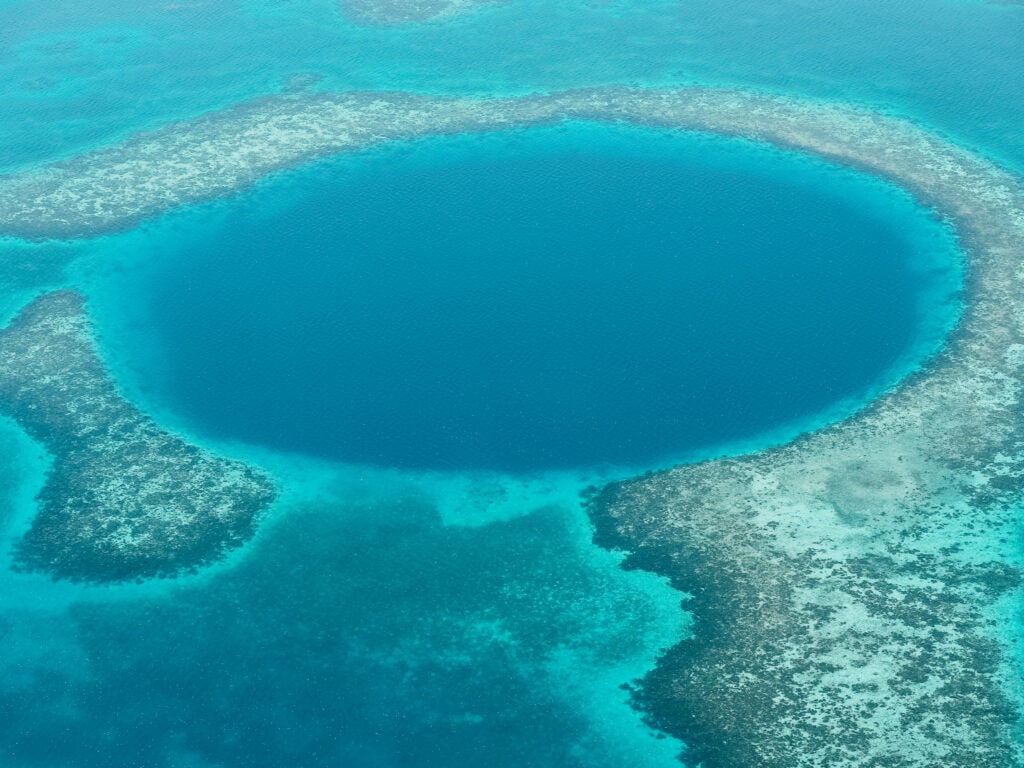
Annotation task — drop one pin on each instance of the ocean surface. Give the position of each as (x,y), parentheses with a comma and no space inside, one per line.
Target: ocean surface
(435,347)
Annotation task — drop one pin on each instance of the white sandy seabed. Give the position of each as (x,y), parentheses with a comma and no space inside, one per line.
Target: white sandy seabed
(871,570)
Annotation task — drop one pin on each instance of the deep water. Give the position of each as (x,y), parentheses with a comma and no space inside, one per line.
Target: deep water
(532,301)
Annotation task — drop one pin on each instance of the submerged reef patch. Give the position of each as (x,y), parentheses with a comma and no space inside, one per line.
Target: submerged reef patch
(846,586)
(123,499)
(386,13)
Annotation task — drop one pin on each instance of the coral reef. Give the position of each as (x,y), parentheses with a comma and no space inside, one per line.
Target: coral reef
(123,498)
(847,587)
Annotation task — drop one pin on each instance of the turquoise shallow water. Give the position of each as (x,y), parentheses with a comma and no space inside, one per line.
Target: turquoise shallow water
(350,635)
(387,619)
(79,74)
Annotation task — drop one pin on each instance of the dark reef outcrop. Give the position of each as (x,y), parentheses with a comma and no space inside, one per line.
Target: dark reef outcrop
(123,499)
(802,659)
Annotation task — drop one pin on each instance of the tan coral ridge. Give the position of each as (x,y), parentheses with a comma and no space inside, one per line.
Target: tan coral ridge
(123,499)
(848,586)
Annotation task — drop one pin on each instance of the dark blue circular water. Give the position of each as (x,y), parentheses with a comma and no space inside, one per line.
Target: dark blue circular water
(543,300)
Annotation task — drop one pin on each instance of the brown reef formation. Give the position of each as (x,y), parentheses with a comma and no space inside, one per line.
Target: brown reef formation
(123,499)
